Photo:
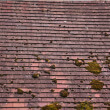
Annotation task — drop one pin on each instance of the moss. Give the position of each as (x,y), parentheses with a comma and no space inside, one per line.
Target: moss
(11,82)
(64,93)
(68,59)
(1,75)
(85,106)
(96,84)
(107,103)
(52,66)
(16,59)
(36,75)
(78,63)
(108,108)
(20,91)
(47,60)
(33,96)
(52,106)
(35,55)
(106,34)
(38,58)
(107,61)
(52,90)
(94,67)
(54,80)
(47,71)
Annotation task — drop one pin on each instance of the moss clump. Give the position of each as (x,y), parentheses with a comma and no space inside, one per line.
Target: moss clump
(52,90)
(94,67)
(36,75)
(107,61)
(54,80)
(33,96)
(106,34)
(64,93)
(52,66)
(52,106)
(47,60)
(38,58)
(20,91)
(47,71)
(96,84)
(78,63)
(85,106)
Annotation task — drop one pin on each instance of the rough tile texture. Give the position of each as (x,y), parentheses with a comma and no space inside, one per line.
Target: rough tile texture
(58,31)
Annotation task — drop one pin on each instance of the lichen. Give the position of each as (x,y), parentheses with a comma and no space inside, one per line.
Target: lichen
(52,106)
(78,63)
(64,93)
(20,91)
(96,84)
(36,75)
(54,80)
(85,106)
(94,67)
(52,66)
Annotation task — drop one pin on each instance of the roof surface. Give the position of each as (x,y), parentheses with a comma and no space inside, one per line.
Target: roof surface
(59,32)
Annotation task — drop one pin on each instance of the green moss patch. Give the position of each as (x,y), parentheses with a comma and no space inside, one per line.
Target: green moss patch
(64,93)
(52,106)
(47,60)
(94,67)
(36,75)
(96,84)
(85,106)
(20,91)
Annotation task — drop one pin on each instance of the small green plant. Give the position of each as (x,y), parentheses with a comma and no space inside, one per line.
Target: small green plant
(64,93)
(20,91)
(96,84)
(36,75)
(38,58)
(94,67)
(52,66)
(54,80)
(85,106)
(52,106)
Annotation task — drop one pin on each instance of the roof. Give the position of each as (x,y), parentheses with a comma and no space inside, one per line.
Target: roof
(37,34)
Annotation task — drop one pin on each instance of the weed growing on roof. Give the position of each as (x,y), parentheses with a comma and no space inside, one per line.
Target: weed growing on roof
(54,80)
(52,106)
(20,91)
(85,106)
(64,93)
(78,62)
(52,66)
(36,75)
(96,84)
(94,67)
